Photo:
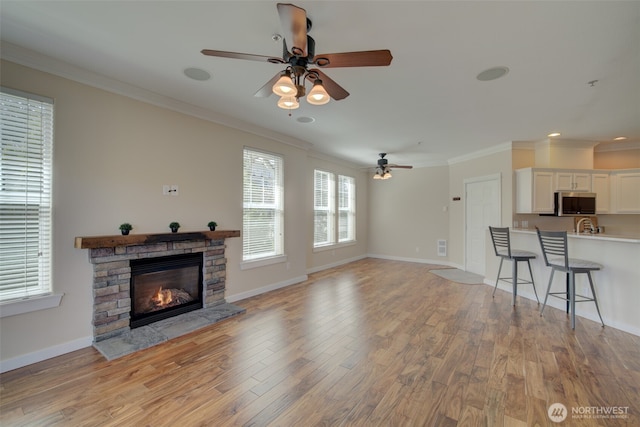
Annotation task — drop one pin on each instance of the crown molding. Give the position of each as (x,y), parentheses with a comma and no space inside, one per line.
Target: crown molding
(505,146)
(617,146)
(47,64)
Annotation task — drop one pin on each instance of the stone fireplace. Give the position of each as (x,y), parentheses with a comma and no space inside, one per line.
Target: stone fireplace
(114,257)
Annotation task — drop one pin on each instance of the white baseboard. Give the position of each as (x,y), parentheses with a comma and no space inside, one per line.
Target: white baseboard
(44,354)
(264,289)
(418,260)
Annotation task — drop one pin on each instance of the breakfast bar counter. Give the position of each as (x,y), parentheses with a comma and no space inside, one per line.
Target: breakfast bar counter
(617,284)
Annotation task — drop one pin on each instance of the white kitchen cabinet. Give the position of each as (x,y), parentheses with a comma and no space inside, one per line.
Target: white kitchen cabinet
(534,190)
(573,181)
(625,188)
(600,184)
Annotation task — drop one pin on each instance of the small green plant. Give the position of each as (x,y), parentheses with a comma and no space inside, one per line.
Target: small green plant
(125,228)
(174,226)
(212,225)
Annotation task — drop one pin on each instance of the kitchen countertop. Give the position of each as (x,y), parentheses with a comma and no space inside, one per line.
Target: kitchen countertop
(589,236)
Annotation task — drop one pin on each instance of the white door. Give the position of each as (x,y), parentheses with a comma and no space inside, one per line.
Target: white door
(482,209)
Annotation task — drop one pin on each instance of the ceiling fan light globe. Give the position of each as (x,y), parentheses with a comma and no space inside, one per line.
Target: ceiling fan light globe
(318,95)
(284,86)
(288,103)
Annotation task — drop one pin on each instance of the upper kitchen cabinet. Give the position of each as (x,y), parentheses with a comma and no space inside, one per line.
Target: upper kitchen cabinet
(573,181)
(534,190)
(625,191)
(601,185)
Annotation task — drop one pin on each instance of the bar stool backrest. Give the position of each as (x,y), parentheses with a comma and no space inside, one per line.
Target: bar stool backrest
(501,241)
(554,247)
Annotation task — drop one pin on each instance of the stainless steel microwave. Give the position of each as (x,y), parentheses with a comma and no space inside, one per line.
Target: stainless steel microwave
(568,203)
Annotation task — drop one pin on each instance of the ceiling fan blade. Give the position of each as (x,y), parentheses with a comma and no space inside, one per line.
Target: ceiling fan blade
(334,90)
(294,25)
(400,166)
(267,89)
(236,55)
(366,58)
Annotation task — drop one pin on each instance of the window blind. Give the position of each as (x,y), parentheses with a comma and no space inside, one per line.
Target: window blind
(346,208)
(263,207)
(323,208)
(26,125)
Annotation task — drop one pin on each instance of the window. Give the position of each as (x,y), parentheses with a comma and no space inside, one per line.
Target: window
(26,124)
(263,208)
(323,208)
(325,232)
(346,208)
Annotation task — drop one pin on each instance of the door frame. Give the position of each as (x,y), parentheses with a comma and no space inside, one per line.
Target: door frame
(493,177)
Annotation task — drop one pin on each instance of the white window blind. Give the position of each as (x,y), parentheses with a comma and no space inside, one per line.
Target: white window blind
(26,125)
(346,208)
(263,207)
(323,208)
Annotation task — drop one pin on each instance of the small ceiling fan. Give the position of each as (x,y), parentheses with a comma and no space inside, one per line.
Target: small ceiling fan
(298,51)
(383,168)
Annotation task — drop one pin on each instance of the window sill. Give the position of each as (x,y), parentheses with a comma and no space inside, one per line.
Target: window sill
(262,262)
(27,305)
(335,246)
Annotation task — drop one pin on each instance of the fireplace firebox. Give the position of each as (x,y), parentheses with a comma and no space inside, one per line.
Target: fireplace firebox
(166,286)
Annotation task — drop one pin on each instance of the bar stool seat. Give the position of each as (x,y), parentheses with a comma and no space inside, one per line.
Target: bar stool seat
(555,252)
(502,247)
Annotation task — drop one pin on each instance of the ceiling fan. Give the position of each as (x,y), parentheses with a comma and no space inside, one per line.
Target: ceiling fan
(290,83)
(383,168)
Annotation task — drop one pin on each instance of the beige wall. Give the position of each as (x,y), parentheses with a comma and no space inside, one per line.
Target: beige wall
(622,159)
(406,216)
(112,155)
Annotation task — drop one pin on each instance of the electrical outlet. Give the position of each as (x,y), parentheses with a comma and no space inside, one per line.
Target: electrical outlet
(174,190)
(525,224)
(165,189)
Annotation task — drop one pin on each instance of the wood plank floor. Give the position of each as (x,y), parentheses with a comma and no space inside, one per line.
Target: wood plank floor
(371,343)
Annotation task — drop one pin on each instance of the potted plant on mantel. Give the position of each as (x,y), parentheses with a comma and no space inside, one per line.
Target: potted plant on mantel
(125,228)
(174,227)
(212,225)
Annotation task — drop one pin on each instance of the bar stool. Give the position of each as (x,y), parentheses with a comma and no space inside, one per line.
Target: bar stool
(556,256)
(502,247)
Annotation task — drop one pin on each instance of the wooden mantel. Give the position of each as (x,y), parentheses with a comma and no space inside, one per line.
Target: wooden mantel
(94,242)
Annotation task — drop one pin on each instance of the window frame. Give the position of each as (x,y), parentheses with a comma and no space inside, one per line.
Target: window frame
(335,203)
(28,132)
(270,190)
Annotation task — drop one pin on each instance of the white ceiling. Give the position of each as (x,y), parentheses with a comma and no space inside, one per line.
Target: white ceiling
(425,108)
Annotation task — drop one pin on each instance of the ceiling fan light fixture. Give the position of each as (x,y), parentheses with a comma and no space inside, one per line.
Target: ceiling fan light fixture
(288,103)
(318,94)
(284,86)
(387,174)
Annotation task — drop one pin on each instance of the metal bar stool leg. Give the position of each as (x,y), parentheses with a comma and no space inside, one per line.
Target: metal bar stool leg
(514,280)
(572,292)
(595,299)
(548,289)
(533,284)
(497,278)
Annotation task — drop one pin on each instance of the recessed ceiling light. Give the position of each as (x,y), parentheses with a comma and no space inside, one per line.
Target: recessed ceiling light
(492,73)
(305,119)
(197,74)
(551,135)
(619,138)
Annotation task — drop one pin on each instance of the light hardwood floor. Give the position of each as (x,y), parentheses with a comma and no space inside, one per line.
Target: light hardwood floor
(371,343)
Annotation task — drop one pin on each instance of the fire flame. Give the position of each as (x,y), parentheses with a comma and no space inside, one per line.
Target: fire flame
(162,298)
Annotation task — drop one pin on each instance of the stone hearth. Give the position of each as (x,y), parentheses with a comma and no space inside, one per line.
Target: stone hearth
(111,256)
